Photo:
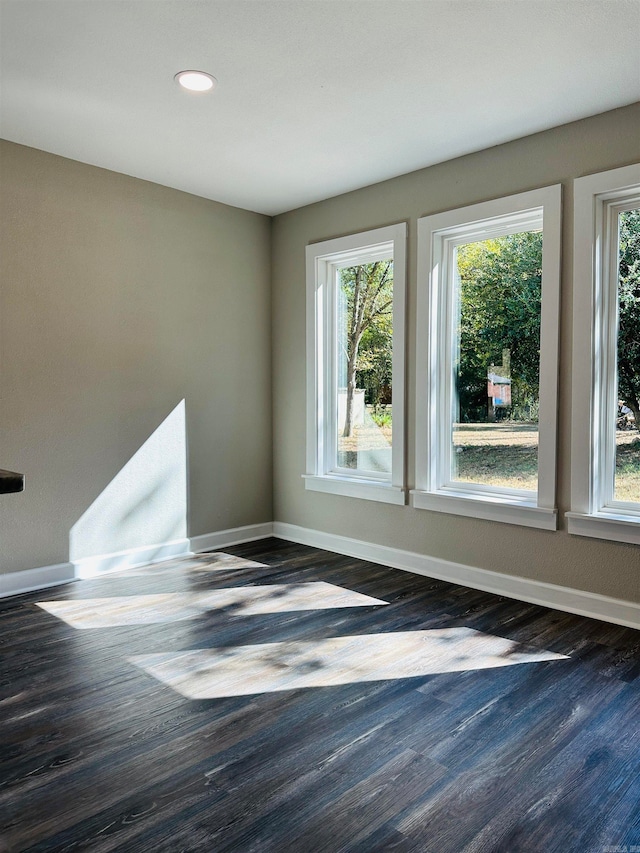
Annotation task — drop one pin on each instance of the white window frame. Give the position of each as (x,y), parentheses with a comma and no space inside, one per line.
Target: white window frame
(598,199)
(438,235)
(323,262)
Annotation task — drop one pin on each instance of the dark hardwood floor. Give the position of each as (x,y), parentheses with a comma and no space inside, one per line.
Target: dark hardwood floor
(309,742)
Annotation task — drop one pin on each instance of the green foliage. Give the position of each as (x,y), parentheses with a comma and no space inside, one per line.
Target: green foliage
(366,332)
(629,312)
(374,363)
(500,293)
(382,417)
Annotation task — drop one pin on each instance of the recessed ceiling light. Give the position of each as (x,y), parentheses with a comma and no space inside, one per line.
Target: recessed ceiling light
(195,81)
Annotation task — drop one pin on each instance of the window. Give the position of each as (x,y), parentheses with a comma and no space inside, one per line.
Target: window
(487,354)
(605,476)
(355,339)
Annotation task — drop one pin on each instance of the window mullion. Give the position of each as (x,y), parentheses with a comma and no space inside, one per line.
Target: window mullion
(331,383)
(608,372)
(320,355)
(441,354)
(449,344)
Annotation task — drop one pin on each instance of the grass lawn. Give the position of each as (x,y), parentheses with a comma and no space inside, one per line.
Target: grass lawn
(628,466)
(506,454)
(503,454)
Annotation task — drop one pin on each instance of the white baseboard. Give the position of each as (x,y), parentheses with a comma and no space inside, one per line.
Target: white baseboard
(90,567)
(232,536)
(583,603)
(31,580)
(15,583)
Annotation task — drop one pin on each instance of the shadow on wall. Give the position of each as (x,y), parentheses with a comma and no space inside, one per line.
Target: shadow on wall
(142,514)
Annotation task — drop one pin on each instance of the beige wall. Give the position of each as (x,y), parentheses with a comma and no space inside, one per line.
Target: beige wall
(120,298)
(559,155)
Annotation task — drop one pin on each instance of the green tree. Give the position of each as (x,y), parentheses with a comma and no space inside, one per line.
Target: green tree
(374,365)
(500,293)
(367,294)
(629,312)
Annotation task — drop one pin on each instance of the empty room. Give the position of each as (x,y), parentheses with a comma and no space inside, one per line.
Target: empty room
(320,426)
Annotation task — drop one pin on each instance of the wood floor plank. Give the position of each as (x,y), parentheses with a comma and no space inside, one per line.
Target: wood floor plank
(98,755)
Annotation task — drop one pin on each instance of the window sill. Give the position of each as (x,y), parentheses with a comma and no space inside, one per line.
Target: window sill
(609,525)
(369,490)
(508,510)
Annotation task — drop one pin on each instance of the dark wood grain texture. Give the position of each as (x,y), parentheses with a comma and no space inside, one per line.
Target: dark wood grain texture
(97,755)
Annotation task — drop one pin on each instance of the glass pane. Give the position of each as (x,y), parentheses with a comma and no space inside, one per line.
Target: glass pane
(627,476)
(365,339)
(497,361)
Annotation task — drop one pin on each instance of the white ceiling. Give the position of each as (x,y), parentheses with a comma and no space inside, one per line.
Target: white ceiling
(315,97)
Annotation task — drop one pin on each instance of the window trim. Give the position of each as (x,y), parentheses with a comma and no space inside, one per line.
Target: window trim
(435,234)
(598,199)
(321,259)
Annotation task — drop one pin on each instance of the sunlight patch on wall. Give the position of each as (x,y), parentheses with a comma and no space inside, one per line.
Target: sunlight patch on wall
(269,667)
(176,607)
(143,506)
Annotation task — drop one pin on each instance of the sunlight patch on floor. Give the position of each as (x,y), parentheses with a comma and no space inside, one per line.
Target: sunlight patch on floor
(219,561)
(269,667)
(204,563)
(118,611)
